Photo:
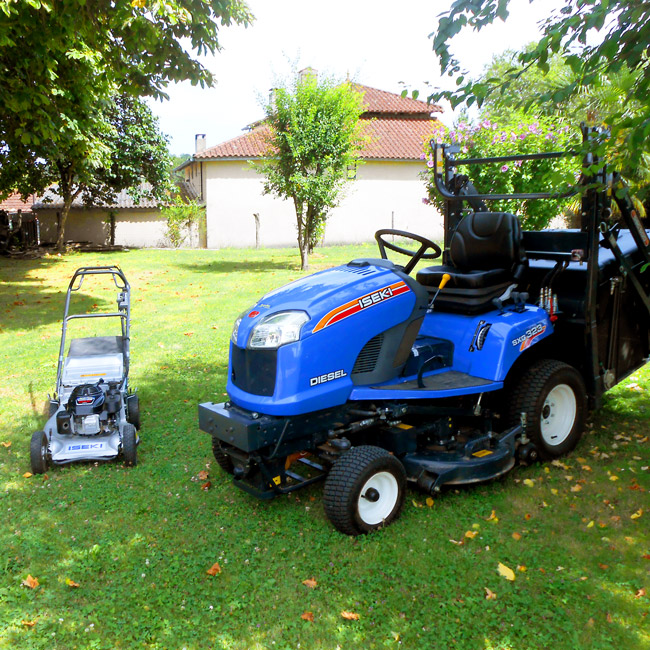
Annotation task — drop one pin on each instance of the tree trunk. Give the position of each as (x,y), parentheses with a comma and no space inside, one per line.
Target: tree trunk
(303,235)
(66,193)
(60,243)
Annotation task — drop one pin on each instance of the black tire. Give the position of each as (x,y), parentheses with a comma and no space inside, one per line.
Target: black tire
(133,410)
(129,445)
(552,395)
(223,460)
(39,452)
(358,480)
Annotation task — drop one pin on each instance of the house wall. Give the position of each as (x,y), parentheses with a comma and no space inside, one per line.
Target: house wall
(136,228)
(384,195)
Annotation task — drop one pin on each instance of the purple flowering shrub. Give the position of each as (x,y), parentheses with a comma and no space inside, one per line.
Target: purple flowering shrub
(523,136)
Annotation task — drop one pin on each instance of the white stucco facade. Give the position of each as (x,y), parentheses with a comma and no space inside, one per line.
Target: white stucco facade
(133,228)
(385,194)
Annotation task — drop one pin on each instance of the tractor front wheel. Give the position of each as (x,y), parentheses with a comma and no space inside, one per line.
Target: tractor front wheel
(552,395)
(223,459)
(364,490)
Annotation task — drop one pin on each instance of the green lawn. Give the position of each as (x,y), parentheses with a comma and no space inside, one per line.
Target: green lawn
(139,541)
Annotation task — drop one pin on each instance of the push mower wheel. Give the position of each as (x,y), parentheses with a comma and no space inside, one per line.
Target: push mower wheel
(38,452)
(552,395)
(129,445)
(133,410)
(364,490)
(223,460)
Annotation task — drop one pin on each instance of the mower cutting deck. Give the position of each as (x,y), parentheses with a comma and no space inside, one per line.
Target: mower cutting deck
(93,415)
(370,378)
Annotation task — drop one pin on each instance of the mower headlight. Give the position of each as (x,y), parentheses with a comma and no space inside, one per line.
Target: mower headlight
(275,330)
(235,327)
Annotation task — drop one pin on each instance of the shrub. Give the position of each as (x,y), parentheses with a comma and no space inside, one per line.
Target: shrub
(522,136)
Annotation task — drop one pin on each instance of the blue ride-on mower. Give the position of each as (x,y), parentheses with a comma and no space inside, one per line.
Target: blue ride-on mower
(93,414)
(373,378)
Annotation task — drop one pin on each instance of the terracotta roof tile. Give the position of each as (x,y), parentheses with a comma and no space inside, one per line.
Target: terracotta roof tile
(391,139)
(14,202)
(398,126)
(381,101)
(398,139)
(250,145)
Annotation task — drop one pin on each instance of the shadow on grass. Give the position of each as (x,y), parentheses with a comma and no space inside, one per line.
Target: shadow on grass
(228,266)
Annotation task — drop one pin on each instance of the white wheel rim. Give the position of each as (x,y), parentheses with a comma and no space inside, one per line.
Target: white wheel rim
(376,506)
(558,415)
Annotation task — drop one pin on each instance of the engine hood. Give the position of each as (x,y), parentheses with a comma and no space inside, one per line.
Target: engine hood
(332,296)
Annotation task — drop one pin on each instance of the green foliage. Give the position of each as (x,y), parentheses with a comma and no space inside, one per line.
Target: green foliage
(181,216)
(620,31)
(139,540)
(524,135)
(63,63)
(315,135)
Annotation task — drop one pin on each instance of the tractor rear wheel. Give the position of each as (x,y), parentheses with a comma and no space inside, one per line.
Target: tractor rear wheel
(364,490)
(38,452)
(129,445)
(553,397)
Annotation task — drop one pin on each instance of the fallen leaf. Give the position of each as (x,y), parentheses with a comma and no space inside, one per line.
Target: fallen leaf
(646,556)
(489,594)
(396,636)
(202,475)
(416,504)
(206,485)
(590,524)
(576,488)
(529,482)
(30,582)
(350,616)
(506,572)
(516,536)
(188,333)
(471,534)
(27,474)
(528,516)
(522,568)
(554,491)
(307,616)
(636,514)
(493,517)
(609,618)
(640,592)
(310,582)
(71,583)
(29,623)
(613,477)
(429,502)
(214,569)
(6,444)
(603,566)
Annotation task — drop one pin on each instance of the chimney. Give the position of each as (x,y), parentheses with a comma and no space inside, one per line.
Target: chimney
(307,73)
(199,142)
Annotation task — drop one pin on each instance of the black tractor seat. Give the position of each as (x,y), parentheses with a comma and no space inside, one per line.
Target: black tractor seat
(487,257)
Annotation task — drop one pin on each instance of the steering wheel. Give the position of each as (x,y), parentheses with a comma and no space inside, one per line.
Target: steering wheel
(415,256)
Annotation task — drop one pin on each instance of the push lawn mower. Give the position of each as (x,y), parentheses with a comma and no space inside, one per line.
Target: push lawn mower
(93,415)
(370,378)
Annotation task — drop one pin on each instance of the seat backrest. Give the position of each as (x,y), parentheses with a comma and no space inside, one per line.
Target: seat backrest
(487,240)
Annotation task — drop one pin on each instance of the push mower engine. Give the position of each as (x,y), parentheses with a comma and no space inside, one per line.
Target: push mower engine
(92,409)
